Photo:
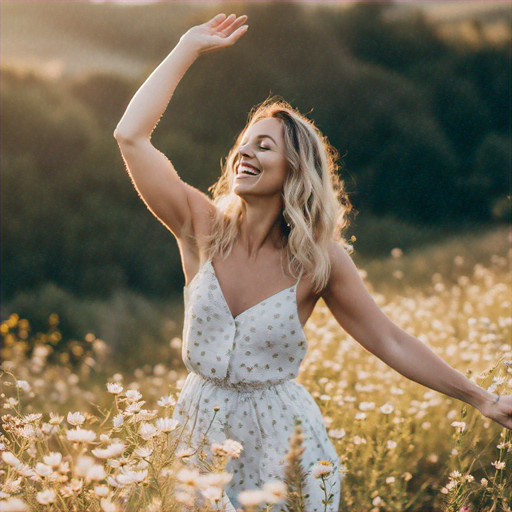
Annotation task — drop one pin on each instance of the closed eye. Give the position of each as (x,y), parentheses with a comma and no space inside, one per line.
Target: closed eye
(263,147)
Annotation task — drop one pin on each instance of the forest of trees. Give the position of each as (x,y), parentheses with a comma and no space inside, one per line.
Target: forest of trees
(422,124)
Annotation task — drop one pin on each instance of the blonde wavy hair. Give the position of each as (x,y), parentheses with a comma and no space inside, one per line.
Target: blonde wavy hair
(316,205)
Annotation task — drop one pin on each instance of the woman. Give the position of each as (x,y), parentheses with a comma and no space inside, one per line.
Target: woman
(277,214)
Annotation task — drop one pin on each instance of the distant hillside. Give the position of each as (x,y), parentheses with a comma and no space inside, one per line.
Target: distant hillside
(458,10)
(70,37)
(422,125)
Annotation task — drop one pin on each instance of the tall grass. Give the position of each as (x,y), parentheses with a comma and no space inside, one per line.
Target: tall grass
(71,441)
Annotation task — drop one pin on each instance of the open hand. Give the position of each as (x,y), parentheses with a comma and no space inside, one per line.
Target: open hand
(217,33)
(500,412)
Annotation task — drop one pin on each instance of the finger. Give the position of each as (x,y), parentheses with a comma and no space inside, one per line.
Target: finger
(239,21)
(216,20)
(224,25)
(233,24)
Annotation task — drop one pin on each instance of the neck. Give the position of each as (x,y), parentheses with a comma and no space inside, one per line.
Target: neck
(261,231)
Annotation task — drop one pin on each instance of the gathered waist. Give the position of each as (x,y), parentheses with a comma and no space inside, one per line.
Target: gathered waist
(242,386)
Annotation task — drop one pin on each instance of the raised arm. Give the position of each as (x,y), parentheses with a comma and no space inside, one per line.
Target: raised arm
(176,204)
(355,310)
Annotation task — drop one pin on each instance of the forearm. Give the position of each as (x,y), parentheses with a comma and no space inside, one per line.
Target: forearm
(150,101)
(414,360)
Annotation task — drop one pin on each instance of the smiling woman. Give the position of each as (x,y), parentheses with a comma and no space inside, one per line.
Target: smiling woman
(297,185)
(258,257)
(278,200)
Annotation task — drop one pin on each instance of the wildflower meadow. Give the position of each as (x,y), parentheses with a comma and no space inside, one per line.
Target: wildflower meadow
(75,438)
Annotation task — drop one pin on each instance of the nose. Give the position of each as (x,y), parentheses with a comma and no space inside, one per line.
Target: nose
(242,150)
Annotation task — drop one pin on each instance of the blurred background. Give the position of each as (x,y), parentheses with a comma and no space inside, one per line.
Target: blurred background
(414,95)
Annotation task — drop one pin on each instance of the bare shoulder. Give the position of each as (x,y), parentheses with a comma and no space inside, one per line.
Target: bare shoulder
(343,268)
(352,304)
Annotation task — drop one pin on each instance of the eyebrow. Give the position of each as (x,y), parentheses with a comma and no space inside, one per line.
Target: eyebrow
(265,136)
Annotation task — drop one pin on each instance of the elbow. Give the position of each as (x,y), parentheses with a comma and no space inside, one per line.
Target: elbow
(119,136)
(382,344)
(127,138)
(123,139)
(122,132)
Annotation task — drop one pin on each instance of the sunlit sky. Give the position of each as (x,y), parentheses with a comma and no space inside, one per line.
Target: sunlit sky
(19,49)
(439,9)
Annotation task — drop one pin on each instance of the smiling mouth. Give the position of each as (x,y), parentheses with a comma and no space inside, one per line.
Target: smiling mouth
(241,175)
(247,171)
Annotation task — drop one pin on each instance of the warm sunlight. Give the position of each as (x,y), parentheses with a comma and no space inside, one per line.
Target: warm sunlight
(257,256)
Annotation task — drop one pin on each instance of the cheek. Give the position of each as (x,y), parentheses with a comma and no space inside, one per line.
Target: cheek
(283,169)
(277,164)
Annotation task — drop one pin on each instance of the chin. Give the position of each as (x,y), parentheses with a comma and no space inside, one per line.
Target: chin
(238,192)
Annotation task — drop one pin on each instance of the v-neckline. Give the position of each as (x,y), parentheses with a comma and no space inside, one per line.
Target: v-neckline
(234,318)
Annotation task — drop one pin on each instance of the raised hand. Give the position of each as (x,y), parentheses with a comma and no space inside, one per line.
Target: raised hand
(217,33)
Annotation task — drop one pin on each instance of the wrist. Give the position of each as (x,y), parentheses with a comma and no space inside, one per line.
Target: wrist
(188,46)
(476,396)
(483,400)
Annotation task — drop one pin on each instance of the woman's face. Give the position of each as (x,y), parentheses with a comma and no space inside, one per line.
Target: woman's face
(262,147)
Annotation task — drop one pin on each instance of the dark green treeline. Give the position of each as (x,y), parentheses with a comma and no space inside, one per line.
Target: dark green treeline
(423,126)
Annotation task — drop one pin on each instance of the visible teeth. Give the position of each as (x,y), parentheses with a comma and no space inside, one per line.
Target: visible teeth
(248,170)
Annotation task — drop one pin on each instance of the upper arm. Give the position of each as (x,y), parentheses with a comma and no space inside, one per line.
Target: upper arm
(348,299)
(180,207)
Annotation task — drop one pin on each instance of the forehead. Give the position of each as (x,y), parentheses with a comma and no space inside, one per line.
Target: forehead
(268,126)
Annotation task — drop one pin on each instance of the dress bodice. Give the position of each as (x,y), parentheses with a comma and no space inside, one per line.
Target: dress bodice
(265,344)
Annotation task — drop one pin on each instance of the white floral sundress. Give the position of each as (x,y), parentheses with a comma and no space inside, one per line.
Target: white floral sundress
(246,365)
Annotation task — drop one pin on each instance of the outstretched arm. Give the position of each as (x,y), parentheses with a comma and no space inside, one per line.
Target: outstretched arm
(356,311)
